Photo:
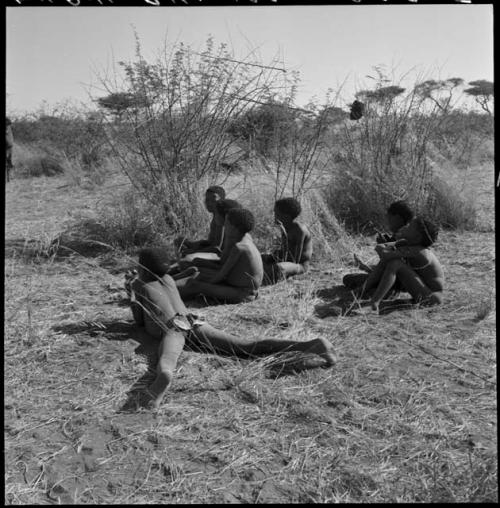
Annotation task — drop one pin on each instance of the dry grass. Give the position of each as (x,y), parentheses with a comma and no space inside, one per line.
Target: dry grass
(407,415)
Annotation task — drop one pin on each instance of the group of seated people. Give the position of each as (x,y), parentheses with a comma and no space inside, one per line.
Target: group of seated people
(228,267)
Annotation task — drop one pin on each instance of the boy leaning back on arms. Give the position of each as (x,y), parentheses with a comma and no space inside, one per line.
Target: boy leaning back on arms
(160,314)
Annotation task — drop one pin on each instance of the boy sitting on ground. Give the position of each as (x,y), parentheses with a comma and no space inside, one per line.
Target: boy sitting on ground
(411,261)
(209,248)
(201,258)
(238,275)
(160,314)
(398,215)
(294,255)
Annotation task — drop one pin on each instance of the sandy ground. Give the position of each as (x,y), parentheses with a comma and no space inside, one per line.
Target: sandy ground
(407,414)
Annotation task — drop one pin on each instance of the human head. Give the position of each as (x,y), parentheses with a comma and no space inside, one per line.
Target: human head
(398,215)
(212,195)
(153,261)
(287,209)
(420,231)
(239,220)
(223,206)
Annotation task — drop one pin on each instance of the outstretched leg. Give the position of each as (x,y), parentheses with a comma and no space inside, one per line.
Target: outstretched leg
(210,339)
(170,349)
(224,293)
(272,273)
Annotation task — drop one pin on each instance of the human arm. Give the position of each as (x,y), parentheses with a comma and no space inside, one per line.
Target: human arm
(228,265)
(300,250)
(397,250)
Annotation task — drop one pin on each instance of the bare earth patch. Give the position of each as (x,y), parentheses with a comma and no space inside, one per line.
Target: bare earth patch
(407,415)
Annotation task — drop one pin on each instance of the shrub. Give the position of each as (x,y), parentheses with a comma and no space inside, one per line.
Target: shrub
(388,155)
(77,135)
(176,136)
(31,162)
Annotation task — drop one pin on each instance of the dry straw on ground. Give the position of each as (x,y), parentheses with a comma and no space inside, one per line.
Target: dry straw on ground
(407,415)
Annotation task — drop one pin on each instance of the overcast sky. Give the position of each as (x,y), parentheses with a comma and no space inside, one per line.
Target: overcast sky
(53,52)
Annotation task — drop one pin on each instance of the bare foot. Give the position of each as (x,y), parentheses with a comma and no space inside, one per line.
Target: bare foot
(371,308)
(158,388)
(323,348)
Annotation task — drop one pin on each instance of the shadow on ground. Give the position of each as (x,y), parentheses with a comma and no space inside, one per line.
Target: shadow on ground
(123,331)
(340,301)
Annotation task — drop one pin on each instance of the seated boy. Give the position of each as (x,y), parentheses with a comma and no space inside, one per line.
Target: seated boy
(238,275)
(411,261)
(206,248)
(294,254)
(398,215)
(221,208)
(160,313)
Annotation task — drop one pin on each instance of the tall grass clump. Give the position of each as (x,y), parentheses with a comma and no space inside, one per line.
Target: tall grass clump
(388,155)
(121,223)
(30,161)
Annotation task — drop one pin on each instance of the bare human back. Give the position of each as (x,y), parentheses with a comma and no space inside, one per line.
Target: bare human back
(295,252)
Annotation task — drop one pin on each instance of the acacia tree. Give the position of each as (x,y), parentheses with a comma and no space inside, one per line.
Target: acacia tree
(439,92)
(482,91)
(117,103)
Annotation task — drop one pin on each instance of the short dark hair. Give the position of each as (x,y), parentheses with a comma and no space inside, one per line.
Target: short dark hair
(429,231)
(402,209)
(242,219)
(289,206)
(216,189)
(224,205)
(154,260)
